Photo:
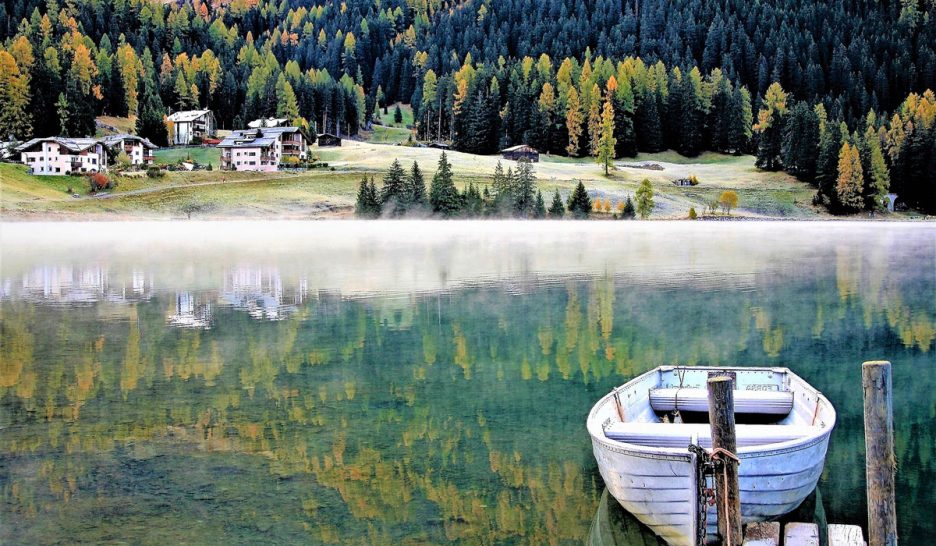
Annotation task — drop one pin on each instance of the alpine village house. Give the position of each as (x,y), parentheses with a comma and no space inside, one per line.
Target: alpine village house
(63,156)
(188,126)
(138,149)
(263,148)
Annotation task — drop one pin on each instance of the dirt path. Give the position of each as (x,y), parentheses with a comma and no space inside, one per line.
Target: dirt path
(153,189)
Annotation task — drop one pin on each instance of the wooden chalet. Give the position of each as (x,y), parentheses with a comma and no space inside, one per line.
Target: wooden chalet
(521,151)
(328,139)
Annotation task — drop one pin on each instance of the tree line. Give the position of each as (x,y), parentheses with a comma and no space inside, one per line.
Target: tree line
(510,194)
(245,59)
(853,168)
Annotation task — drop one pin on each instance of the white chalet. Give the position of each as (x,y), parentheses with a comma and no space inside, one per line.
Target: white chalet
(62,156)
(138,149)
(188,125)
(262,149)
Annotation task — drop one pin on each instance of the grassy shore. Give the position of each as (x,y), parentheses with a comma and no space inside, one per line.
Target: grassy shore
(331,192)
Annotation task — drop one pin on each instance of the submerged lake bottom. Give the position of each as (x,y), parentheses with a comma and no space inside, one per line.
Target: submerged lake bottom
(419,382)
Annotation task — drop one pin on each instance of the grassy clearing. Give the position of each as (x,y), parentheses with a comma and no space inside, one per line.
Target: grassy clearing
(387,119)
(202,154)
(327,192)
(388,135)
(123,125)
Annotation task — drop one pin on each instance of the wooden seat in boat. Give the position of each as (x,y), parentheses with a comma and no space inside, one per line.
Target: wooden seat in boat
(683,434)
(757,402)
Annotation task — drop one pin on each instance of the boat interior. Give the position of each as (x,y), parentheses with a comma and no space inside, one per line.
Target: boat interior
(668,408)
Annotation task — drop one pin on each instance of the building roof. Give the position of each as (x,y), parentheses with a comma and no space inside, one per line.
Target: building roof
(255,138)
(267,122)
(187,115)
(73,144)
(520,148)
(111,140)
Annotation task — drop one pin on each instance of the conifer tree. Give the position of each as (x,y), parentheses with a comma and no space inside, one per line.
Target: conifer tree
(539,207)
(580,204)
(876,175)
(416,187)
(574,122)
(443,196)
(14,99)
(830,145)
(644,196)
(607,144)
(594,120)
(629,211)
(850,179)
(800,148)
(556,208)
(395,195)
(770,127)
(525,187)
(367,204)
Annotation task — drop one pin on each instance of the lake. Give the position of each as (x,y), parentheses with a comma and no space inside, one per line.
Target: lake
(417,382)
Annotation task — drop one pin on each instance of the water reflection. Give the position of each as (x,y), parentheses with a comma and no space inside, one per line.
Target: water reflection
(338,389)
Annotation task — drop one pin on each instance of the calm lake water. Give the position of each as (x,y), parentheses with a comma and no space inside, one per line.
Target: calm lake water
(416,383)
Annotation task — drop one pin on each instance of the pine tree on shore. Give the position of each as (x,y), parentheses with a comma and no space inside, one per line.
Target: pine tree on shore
(580,204)
(443,196)
(556,208)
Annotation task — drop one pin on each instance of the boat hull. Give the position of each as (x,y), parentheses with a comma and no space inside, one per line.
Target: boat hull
(659,486)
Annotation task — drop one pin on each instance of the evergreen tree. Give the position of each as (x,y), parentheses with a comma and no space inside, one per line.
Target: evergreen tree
(395,194)
(580,204)
(801,142)
(416,188)
(850,179)
(151,123)
(525,186)
(629,211)
(472,203)
(397,115)
(594,120)
(539,207)
(556,208)
(443,196)
(830,145)
(368,202)
(644,196)
(876,175)
(607,144)
(770,127)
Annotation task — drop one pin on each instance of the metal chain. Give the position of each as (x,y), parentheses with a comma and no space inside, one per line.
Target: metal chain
(705,467)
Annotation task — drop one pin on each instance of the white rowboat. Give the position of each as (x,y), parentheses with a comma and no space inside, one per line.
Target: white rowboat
(782,433)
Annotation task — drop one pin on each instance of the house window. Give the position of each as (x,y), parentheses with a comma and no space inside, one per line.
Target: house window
(58,170)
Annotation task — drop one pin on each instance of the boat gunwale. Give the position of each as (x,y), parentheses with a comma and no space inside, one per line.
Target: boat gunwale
(672,453)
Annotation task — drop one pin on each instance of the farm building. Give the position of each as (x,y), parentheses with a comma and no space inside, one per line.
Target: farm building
(189,125)
(328,139)
(439,145)
(138,149)
(521,151)
(63,156)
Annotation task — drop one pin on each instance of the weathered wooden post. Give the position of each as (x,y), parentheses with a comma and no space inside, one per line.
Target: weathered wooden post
(880,463)
(721,417)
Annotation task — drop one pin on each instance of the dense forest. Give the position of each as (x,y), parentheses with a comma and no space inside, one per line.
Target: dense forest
(683,74)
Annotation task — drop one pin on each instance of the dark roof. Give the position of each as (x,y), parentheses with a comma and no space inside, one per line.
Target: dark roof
(521,148)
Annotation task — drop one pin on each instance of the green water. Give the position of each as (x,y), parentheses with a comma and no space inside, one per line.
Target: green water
(417,383)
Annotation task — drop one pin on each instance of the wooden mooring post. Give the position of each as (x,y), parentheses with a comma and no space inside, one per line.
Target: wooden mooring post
(880,462)
(724,445)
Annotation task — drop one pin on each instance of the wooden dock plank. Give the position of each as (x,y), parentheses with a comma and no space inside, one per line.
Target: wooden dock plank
(801,534)
(765,533)
(845,535)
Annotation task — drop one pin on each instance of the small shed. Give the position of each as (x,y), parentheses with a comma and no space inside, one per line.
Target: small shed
(439,145)
(682,182)
(328,139)
(521,151)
